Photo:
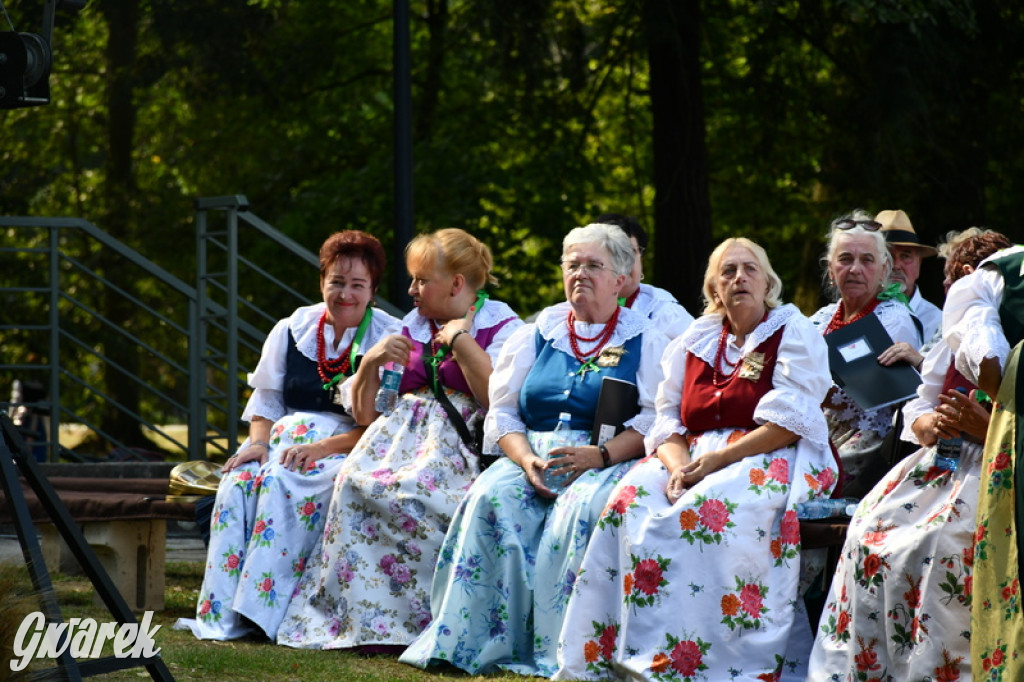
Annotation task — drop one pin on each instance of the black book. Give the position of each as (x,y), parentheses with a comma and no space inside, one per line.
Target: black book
(617,403)
(853,353)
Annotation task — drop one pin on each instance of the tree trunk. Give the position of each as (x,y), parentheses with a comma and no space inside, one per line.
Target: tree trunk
(682,207)
(119,220)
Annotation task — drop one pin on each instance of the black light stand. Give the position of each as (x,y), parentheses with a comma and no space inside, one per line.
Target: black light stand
(15,456)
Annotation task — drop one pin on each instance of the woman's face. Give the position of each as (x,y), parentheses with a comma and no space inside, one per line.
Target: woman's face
(588,276)
(347,289)
(741,281)
(430,289)
(856,267)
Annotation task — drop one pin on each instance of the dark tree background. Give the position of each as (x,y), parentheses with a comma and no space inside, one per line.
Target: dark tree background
(704,119)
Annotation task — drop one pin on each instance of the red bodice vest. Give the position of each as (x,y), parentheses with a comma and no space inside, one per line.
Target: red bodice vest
(955,380)
(706,406)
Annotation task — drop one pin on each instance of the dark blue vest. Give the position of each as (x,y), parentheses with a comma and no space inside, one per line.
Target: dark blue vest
(303,387)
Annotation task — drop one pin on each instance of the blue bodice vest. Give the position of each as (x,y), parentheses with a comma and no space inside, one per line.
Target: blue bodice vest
(554,385)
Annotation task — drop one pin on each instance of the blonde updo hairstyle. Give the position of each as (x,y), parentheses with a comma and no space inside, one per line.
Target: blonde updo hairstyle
(454,251)
(772,299)
(834,233)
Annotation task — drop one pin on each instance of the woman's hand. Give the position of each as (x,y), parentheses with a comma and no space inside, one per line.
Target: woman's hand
(446,333)
(303,458)
(928,429)
(395,348)
(696,471)
(959,412)
(901,352)
(676,485)
(255,452)
(534,468)
(571,462)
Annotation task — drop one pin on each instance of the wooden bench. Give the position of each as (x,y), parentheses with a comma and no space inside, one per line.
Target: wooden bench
(124,521)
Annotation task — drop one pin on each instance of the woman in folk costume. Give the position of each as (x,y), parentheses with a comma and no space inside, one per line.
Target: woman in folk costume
(983,324)
(270,504)
(368,584)
(511,555)
(858,265)
(899,606)
(692,571)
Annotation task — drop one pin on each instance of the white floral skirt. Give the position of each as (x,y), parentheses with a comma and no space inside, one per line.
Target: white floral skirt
(266,521)
(369,581)
(703,589)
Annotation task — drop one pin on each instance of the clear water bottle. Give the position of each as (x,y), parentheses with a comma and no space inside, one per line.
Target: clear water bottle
(562,437)
(387,394)
(947,453)
(826,508)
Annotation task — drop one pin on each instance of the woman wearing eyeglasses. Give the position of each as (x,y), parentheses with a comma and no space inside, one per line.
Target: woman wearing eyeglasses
(858,266)
(513,550)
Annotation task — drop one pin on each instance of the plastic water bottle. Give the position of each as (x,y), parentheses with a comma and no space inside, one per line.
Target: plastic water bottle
(947,453)
(562,437)
(387,394)
(826,508)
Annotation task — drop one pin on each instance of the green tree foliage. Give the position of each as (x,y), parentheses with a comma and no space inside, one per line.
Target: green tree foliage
(530,118)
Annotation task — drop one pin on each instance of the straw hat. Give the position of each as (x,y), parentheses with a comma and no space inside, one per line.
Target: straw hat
(899,232)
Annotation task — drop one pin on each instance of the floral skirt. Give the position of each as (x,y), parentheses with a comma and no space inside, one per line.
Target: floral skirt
(703,589)
(997,624)
(899,606)
(369,580)
(507,567)
(266,521)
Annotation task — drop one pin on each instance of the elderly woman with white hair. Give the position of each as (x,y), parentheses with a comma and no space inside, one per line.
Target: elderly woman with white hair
(858,266)
(513,550)
(693,570)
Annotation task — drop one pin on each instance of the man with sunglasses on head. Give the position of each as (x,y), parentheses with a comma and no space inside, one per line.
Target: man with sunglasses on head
(907,252)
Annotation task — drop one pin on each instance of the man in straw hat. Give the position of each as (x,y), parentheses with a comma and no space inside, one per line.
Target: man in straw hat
(907,251)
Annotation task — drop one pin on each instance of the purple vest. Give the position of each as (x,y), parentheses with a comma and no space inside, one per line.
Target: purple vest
(416,376)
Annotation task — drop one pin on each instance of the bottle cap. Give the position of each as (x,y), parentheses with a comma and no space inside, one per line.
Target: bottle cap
(564,417)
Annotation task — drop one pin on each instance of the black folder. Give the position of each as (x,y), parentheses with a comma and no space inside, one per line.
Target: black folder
(853,353)
(617,403)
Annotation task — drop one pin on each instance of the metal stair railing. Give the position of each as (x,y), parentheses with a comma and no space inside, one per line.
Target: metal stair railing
(194,344)
(56,295)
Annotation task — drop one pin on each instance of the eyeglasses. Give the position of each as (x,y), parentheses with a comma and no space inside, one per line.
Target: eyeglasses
(572,267)
(869,225)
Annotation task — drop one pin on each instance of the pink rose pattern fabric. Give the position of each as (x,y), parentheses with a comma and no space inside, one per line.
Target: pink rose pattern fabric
(702,589)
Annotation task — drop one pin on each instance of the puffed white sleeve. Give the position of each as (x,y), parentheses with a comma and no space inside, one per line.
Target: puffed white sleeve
(800,382)
(970,321)
(501,337)
(648,377)
(668,398)
(517,356)
(933,374)
(267,380)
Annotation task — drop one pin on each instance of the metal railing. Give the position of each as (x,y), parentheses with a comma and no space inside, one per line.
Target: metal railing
(89,320)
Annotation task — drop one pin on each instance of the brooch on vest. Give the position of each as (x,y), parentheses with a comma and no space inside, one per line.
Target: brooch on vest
(753,365)
(610,357)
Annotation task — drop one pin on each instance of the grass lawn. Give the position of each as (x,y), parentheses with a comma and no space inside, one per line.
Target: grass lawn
(191,659)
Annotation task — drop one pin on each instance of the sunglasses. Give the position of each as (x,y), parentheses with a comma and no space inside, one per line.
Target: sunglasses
(869,225)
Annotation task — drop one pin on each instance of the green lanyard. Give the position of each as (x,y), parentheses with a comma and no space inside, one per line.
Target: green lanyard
(434,361)
(356,343)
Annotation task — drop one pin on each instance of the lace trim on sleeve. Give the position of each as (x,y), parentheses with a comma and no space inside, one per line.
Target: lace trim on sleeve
(265,403)
(794,412)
